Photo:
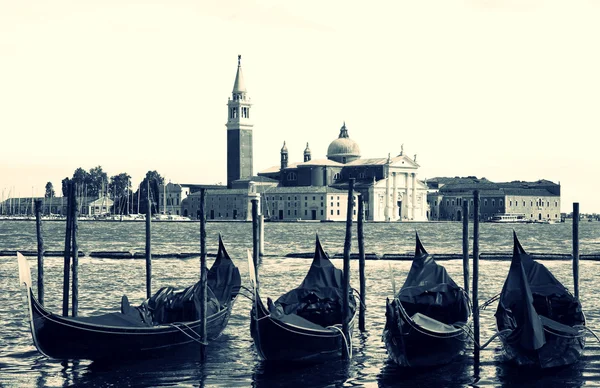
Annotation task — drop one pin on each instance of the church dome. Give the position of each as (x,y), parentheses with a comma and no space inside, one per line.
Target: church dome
(343,149)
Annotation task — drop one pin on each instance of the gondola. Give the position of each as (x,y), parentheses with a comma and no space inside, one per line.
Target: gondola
(427,322)
(305,324)
(168,322)
(539,322)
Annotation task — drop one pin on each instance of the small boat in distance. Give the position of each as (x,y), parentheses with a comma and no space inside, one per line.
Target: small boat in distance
(427,321)
(539,321)
(305,324)
(508,218)
(166,323)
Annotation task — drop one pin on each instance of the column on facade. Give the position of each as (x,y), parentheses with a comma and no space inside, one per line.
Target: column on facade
(387,196)
(405,198)
(414,194)
(395,198)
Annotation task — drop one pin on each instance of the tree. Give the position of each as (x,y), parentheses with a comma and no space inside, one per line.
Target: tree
(49,190)
(80,179)
(155,181)
(96,180)
(65,187)
(120,186)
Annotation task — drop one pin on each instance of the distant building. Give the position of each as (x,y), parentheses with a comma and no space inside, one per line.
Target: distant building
(538,201)
(88,206)
(313,189)
(389,186)
(171,196)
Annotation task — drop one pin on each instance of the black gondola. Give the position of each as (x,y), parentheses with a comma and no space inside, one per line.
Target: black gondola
(427,321)
(305,324)
(167,322)
(539,321)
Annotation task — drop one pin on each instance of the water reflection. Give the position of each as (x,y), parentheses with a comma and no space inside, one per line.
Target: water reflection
(272,374)
(511,375)
(456,374)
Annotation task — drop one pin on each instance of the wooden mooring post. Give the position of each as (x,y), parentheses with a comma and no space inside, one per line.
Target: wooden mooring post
(75,255)
(346,280)
(261,235)
(203,275)
(361,262)
(255,236)
(465,243)
(148,243)
(67,251)
(40,250)
(475,299)
(576,249)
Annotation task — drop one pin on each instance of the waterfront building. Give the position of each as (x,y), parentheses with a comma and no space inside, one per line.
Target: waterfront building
(388,185)
(313,189)
(537,201)
(88,206)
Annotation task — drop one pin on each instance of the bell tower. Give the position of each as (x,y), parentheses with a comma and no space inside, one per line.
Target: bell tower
(239,131)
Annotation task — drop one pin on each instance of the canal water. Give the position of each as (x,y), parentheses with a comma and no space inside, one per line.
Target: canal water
(232,360)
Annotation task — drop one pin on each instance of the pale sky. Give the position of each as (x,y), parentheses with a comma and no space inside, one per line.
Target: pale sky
(507,90)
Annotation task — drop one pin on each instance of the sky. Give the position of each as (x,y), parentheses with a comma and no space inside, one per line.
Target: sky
(501,89)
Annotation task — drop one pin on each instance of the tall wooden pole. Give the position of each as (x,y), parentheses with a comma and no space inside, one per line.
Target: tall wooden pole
(576,248)
(361,263)
(148,243)
(203,274)
(67,252)
(255,235)
(261,235)
(75,254)
(346,281)
(475,298)
(465,243)
(40,250)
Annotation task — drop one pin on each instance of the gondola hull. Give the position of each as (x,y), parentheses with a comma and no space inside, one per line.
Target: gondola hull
(557,351)
(279,341)
(410,345)
(66,338)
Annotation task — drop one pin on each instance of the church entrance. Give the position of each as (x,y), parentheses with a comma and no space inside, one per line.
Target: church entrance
(314,214)
(458,216)
(400,209)
(281,214)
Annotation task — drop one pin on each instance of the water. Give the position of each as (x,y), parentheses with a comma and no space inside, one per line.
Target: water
(232,360)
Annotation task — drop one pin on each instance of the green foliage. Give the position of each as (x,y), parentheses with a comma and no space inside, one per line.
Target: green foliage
(49,190)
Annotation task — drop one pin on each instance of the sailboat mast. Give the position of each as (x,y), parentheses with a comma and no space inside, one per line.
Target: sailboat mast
(164,199)
(139,189)
(127,188)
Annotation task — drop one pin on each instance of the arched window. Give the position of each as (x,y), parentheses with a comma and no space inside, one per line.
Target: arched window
(336,176)
(291,176)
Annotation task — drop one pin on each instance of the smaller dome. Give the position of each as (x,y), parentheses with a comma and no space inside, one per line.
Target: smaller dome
(284,148)
(343,149)
(307,150)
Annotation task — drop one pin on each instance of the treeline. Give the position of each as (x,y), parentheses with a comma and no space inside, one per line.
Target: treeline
(95,183)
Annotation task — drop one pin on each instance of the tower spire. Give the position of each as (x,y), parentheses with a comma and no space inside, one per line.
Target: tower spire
(239,86)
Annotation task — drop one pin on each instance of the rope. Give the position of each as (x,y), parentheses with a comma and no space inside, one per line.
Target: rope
(360,298)
(489,301)
(346,342)
(592,332)
(485,345)
(199,339)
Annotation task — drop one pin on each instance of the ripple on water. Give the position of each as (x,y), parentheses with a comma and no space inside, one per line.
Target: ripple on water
(232,361)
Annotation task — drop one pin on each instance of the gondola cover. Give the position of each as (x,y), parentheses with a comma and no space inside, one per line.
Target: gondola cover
(541,316)
(425,322)
(429,290)
(319,297)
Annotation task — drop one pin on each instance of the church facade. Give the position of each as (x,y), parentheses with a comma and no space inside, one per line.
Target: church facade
(389,185)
